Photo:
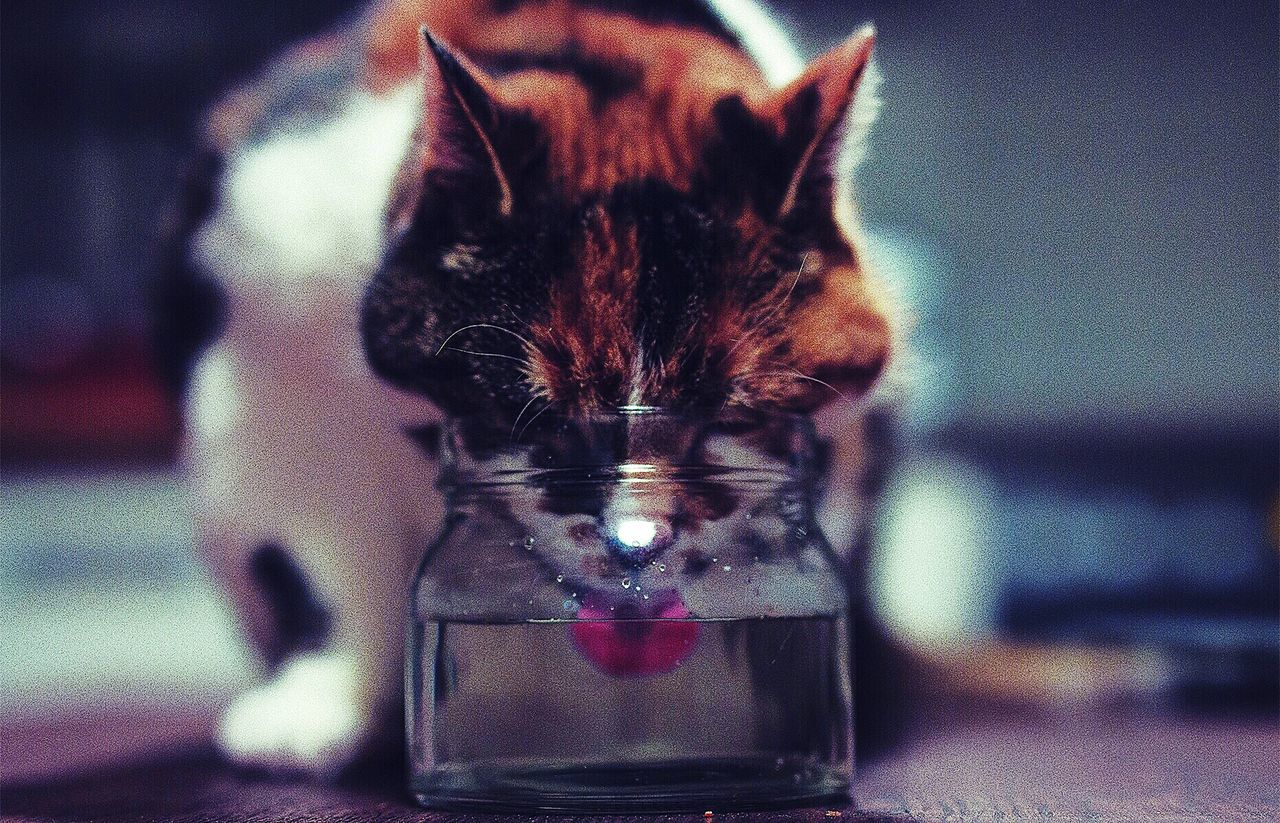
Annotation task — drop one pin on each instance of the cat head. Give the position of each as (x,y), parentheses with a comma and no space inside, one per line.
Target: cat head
(606,234)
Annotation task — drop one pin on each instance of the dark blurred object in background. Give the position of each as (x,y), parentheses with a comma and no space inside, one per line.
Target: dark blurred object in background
(100,100)
(1081,202)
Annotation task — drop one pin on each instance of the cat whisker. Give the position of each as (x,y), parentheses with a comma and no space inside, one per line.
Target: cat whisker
(520,360)
(532,400)
(792,373)
(531,419)
(519,321)
(456,332)
(782,302)
(822,383)
(778,307)
(747,336)
(804,261)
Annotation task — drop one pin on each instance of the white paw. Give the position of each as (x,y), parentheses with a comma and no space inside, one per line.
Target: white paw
(307,718)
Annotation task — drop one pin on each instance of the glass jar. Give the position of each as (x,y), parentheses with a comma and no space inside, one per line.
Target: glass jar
(632,611)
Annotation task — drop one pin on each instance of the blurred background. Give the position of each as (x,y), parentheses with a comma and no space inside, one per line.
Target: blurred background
(1078,201)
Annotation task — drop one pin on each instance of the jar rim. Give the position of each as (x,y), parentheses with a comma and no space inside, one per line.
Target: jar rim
(624,474)
(753,466)
(692,413)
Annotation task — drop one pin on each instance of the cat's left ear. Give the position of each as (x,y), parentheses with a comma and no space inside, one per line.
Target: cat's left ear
(476,147)
(813,119)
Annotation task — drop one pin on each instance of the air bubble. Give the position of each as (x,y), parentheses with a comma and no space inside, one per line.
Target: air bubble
(528,543)
(568,605)
(559,578)
(728,568)
(662,567)
(626,582)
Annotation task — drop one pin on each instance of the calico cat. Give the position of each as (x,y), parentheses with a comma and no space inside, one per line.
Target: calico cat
(488,209)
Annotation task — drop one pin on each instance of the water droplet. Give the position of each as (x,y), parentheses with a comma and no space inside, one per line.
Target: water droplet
(559,578)
(626,582)
(728,568)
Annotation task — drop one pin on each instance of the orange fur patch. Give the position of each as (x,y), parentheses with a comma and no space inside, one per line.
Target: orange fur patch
(653,131)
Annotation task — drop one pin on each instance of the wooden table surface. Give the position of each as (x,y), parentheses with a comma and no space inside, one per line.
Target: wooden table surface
(986,767)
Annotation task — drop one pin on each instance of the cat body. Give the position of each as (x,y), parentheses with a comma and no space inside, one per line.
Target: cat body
(571,205)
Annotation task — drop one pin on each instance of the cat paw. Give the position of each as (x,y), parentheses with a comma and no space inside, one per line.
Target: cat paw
(308,718)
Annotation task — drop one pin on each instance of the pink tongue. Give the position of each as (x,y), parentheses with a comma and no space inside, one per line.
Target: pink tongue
(634,648)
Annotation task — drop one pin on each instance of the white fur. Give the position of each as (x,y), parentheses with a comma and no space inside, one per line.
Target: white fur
(762,38)
(857,123)
(291,438)
(309,206)
(308,718)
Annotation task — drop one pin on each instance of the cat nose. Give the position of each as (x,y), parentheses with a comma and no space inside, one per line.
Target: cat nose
(636,540)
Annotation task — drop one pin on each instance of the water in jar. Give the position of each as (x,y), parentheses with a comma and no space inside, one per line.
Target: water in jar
(631,714)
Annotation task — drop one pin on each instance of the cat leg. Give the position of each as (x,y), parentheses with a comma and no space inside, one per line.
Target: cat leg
(297,508)
(308,715)
(329,702)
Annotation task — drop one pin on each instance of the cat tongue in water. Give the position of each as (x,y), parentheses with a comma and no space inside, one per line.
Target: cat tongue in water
(634,645)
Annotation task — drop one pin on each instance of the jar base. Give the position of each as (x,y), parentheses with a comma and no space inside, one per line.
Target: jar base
(675,786)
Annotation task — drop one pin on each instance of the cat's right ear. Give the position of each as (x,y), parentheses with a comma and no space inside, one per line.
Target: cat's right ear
(791,142)
(475,147)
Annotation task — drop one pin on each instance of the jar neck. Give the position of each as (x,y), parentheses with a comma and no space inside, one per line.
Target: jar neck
(632,447)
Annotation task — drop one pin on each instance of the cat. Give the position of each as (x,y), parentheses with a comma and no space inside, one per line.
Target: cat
(486,209)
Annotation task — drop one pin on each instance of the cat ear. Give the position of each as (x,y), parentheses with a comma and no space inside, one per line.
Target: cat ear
(465,126)
(812,118)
